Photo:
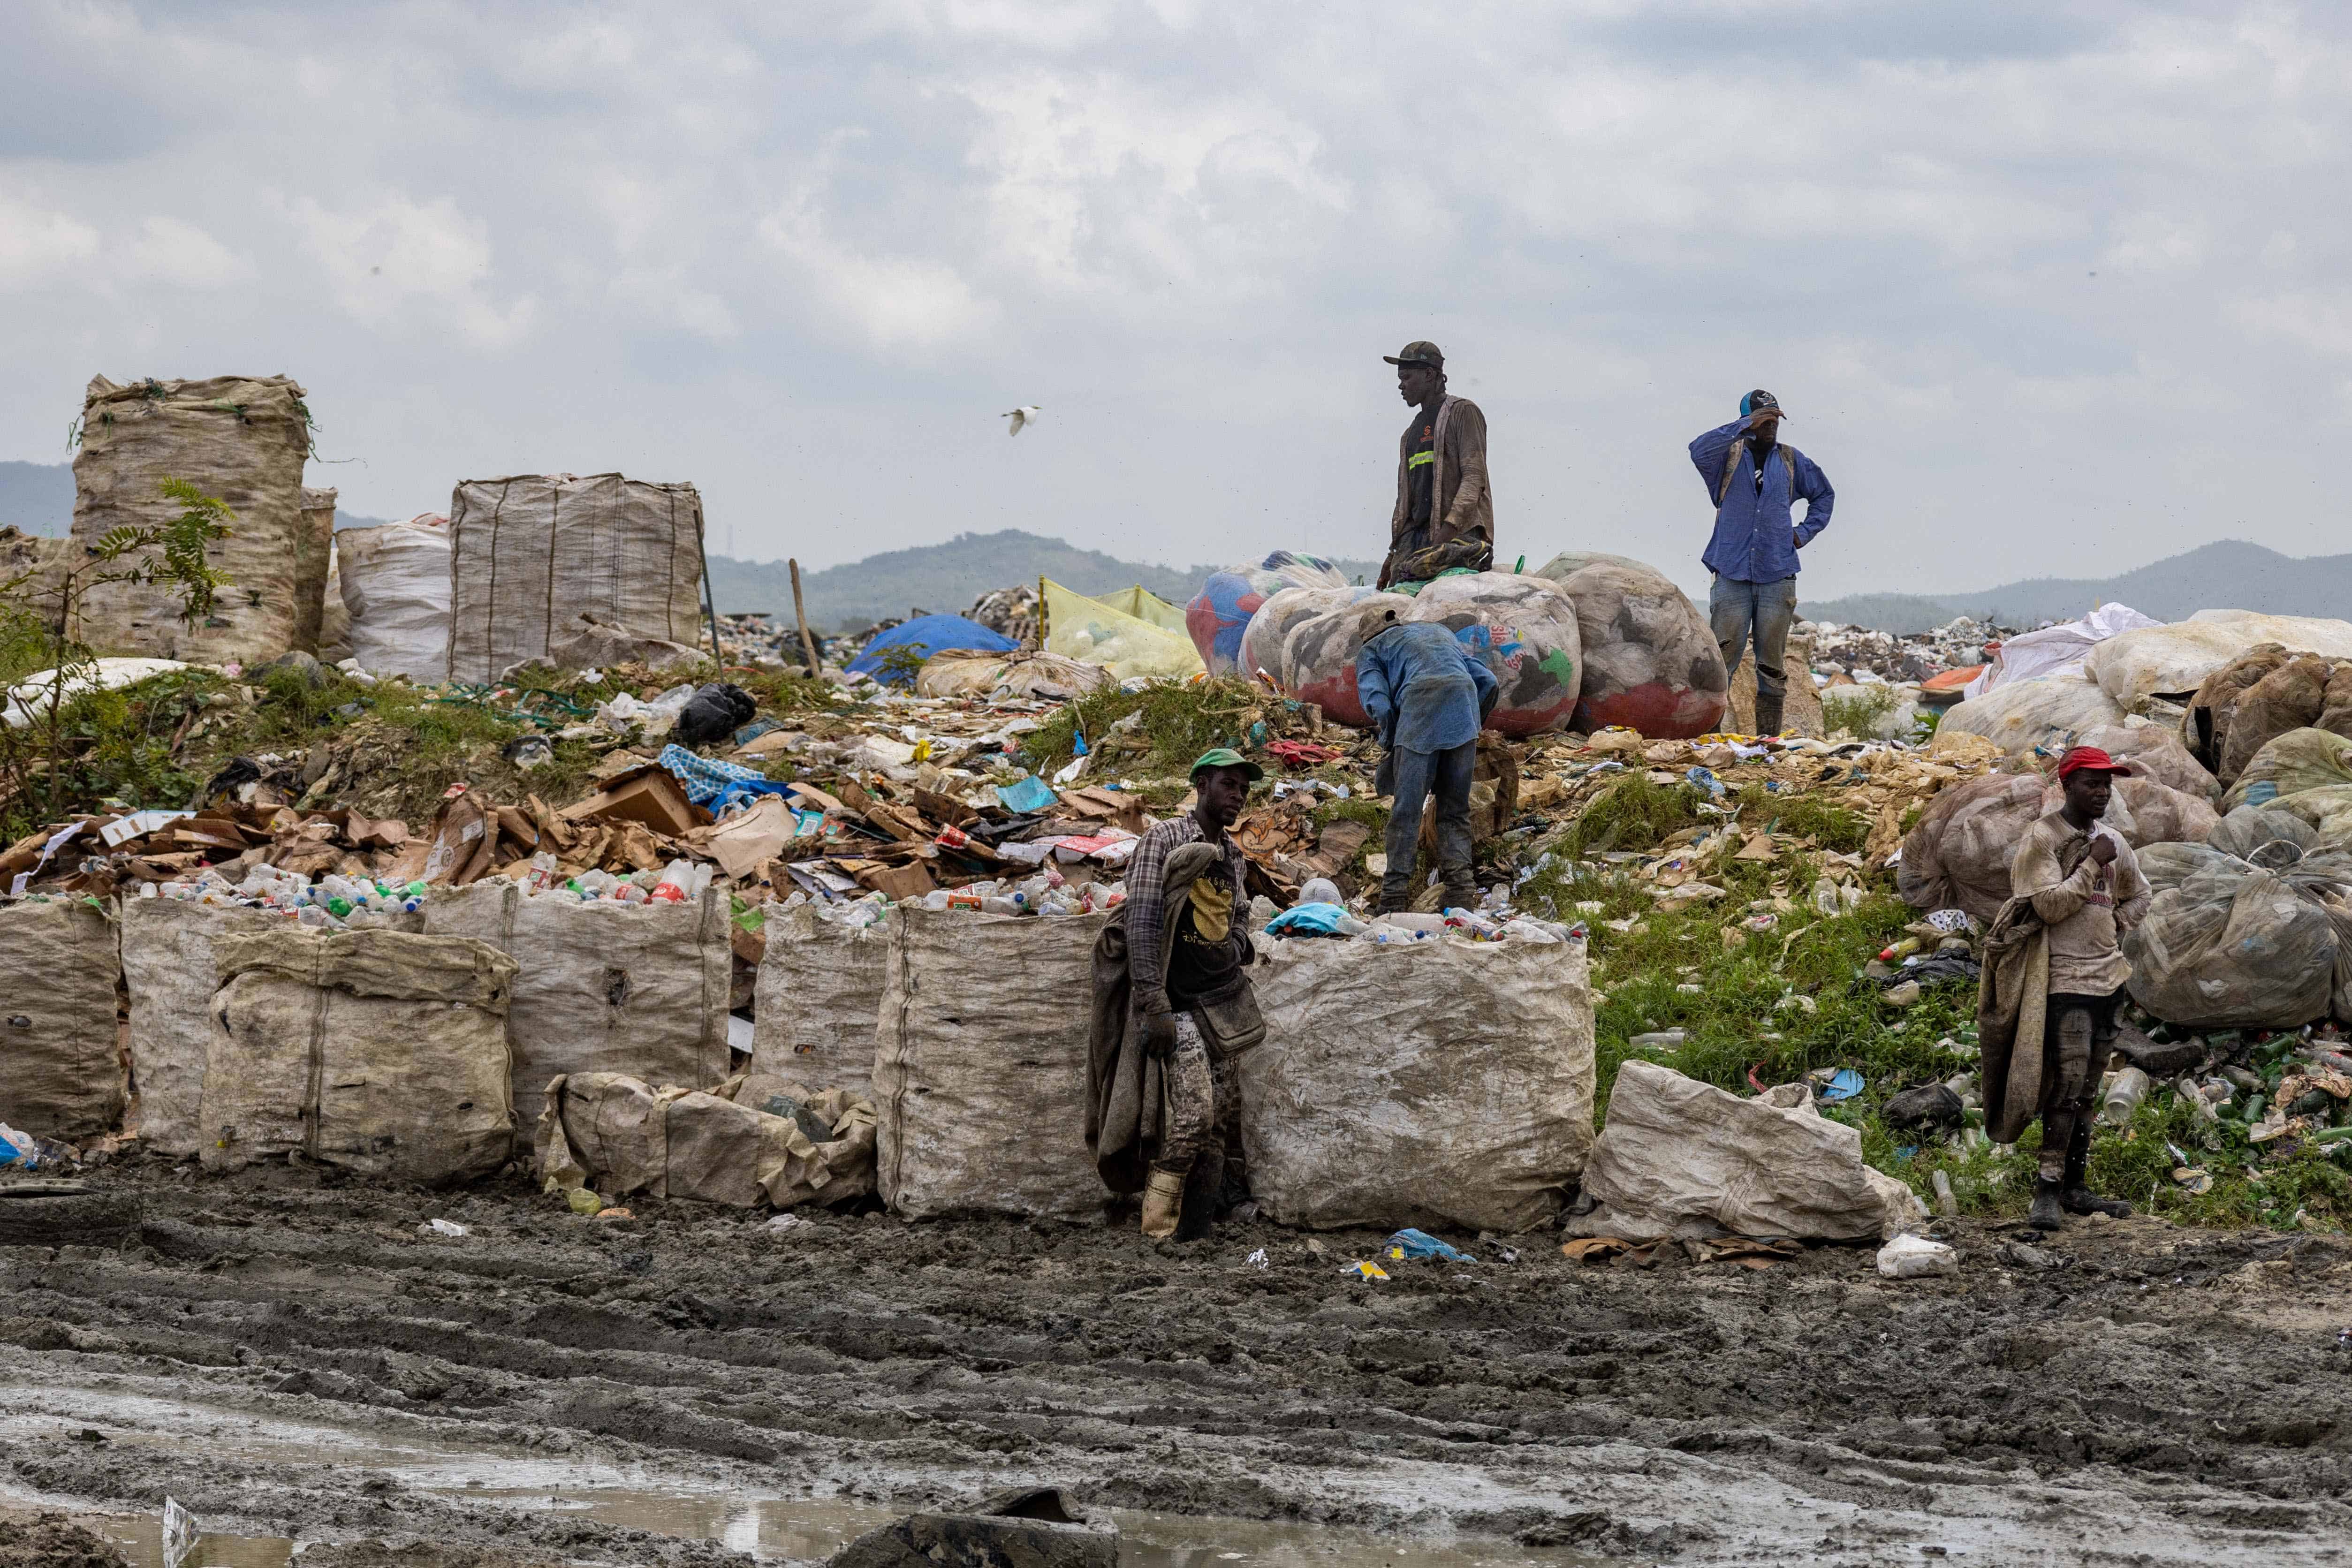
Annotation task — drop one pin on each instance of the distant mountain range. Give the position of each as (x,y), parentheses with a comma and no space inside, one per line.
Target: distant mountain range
(947,578)
(38,498)
(2230,574)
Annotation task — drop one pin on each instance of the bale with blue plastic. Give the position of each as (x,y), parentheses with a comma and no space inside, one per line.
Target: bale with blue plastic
(923,636)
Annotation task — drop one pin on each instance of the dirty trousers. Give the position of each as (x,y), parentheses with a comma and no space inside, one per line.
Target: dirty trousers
(1418,774)
(2079,1034)
(1736,611)
(1203,1100)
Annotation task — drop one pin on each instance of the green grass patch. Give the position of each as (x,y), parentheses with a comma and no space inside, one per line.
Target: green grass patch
(1857,709)
(1830,825)
(1634,814)
(1179,720)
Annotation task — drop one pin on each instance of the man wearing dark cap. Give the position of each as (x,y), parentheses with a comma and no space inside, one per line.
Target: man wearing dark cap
(2086,884)
(1754,481)
(1444,513)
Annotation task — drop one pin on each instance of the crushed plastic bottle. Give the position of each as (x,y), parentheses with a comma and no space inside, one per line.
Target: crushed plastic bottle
(2121,1099)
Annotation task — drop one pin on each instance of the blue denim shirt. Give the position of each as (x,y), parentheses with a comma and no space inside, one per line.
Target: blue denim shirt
(1753,541)
(1424,690)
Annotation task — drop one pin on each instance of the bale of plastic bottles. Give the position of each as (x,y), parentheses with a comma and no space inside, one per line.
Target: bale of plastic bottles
(168,973)
(393,583)
(1306,640)
(1651,661)
(820,998)
(1218,615)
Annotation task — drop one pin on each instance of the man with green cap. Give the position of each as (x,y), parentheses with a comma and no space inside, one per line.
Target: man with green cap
(1445,515)
(1164,1061)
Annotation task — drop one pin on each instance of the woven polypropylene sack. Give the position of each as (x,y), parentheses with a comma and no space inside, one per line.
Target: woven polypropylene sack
(536,559)
(1524,629)
(314,552)
(168,970)
(32,569)
(1306,640)
(2264,836)
(2233,948)
(2167,866)
(604,987)
(2328,810)
(1436,1084)
(1651,662)
(243,440)
(395,586)
(1958,854)
(2298,760)
(2155,752)
(819,1001)
(1678,1157)
(1221,611)
(59,1075)
(378,1052)
(2050,714)
(2173,660)
(980,1071)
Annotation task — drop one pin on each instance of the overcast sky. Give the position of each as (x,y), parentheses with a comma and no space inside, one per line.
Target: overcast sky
(2046,286)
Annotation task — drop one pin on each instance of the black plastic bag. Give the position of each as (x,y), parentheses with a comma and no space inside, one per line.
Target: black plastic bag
(714,712)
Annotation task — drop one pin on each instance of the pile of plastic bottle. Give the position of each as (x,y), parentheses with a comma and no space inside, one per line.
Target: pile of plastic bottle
(680,882)
(327,904)
(1044,893)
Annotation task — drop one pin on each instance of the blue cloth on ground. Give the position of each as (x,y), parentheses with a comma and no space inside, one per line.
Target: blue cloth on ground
(716,785)
(1307,920)
(1419,1244)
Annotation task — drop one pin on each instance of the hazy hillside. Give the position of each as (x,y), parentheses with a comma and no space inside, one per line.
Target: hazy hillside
(2231,574)
(947,577)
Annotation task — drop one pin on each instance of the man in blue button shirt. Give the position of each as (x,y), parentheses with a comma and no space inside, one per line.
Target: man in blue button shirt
(1427,697)
(1754,481)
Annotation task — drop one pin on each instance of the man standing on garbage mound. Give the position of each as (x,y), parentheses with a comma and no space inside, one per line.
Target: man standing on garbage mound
(1173,1007)
(1427,696)
(2086,884)
(1755,482)
(1445,515)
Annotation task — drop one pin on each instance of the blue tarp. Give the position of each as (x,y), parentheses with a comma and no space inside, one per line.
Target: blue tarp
(928,634)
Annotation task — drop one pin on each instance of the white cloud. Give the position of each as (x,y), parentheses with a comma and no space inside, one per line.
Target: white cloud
(39,245)
(396,254)
(172,250)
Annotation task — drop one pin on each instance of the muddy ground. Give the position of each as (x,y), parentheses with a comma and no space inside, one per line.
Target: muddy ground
(2158,1396)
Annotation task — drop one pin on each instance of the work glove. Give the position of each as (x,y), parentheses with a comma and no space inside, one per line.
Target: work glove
(1159,1036)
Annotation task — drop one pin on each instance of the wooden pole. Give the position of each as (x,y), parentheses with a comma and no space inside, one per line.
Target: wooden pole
(800,613)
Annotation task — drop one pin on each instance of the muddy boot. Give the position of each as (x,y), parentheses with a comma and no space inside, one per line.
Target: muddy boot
(2077,1197)
(1201,1189)
(1768,714)
(2045,1214)
(1163,1202)
(1460,893)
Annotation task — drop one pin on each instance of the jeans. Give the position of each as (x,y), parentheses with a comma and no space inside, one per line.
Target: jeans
(2079,1032)
(1418,774)
(1735,610)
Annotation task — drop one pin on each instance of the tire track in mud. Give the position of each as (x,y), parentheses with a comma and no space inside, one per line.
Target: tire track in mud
(2166,1398)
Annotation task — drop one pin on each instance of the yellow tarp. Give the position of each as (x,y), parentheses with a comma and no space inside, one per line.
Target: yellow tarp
(1132,633)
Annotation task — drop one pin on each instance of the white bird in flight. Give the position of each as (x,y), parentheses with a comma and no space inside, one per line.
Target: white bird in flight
(1025,415)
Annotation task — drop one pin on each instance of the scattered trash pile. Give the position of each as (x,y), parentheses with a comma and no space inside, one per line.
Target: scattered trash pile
(1866,654)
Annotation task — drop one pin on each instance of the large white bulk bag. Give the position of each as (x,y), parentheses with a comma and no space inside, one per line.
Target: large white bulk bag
(378,1052)
(980,1071)
(542,561)
(819,1001)
(1444,1082)
(241,439)
(60,1075)
(638,988)
(2051,713)
(2174,659)
(1678,1157)
(168,969)
(394,583)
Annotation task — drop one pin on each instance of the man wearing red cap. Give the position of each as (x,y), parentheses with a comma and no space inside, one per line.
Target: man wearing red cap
(2086,884)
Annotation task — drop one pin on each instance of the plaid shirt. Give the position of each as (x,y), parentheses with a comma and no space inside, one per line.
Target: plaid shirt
(1146,906)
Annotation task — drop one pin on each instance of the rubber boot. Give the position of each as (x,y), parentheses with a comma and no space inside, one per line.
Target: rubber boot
(1202,1188)
(2045,1214)
(1768,714)
(1460,893)
(1163,1203)
(2077,1197)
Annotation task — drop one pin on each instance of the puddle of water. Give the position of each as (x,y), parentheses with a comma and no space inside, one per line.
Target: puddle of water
(777,1529)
